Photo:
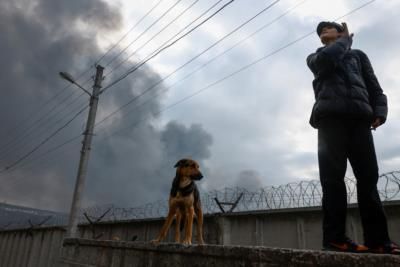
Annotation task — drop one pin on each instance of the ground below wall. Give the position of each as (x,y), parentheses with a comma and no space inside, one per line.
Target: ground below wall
(91,253)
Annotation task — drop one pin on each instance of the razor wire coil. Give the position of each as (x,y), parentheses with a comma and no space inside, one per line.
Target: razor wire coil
(302,194)
(306,193)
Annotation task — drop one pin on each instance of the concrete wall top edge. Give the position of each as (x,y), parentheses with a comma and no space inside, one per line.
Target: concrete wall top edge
(230,251)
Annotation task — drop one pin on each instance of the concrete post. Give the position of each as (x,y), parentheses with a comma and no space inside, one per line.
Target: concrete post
(84,159)
(301,235)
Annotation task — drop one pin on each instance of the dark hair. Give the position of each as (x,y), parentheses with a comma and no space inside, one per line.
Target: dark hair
(323,24)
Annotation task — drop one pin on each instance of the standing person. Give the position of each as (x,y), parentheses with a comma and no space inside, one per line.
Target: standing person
(349,102)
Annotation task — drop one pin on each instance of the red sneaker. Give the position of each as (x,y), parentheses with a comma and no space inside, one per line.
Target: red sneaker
(347,246)
(390,248)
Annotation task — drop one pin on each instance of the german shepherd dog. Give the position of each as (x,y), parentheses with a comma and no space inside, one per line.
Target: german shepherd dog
(184,203)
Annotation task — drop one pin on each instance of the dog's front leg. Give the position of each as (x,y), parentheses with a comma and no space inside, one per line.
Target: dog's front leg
(178,218)
(164,229)
(199,214)
(189,226)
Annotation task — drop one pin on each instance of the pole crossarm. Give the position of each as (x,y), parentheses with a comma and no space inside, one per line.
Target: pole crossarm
(68,77)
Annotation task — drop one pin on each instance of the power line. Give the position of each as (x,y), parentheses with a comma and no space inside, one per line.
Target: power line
(44,141)
(23,139)
(12,179)
(140,35)
(24,166)
(185,65)
(33,124)
(191,60)
(162,45)
(212,84)
(152,25)
(356,9)
(75,137)
(235,72)
(231,47)
(15,139)
(216,82)
(27,133)
(65,143)
(167,46)
(162,29)
(53,149)
(129,31)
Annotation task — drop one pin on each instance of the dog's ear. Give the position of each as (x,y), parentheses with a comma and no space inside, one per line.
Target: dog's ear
(179,163)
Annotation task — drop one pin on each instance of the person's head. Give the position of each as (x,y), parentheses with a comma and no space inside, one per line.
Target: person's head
(328,31)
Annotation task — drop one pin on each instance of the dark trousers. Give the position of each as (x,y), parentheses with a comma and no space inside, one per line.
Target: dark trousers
(339,140)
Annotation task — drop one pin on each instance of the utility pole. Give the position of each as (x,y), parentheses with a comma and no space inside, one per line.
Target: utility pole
(72,230)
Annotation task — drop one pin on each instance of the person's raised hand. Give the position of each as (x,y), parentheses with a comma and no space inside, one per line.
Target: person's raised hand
(345,32)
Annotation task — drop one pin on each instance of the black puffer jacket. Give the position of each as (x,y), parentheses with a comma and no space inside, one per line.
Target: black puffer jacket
(345,84)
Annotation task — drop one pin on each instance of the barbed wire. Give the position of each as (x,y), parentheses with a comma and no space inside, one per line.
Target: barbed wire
(302,194)
(307,193)
(18,217)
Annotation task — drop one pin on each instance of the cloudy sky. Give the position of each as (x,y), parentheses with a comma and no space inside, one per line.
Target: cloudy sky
(246,124)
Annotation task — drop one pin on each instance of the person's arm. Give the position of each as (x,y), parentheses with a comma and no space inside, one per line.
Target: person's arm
(325,60)
(377,98)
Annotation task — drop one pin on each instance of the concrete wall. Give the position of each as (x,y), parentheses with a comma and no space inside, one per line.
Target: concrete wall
(292,228)
(40,247)
(90,253)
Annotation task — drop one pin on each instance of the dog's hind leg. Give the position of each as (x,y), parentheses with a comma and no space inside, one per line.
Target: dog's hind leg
(189,226)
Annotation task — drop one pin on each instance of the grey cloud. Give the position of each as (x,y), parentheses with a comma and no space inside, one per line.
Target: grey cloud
(137,167)
(173,138)
(249,179)
(132,167)
(245,141)
(60,16)
(31,58)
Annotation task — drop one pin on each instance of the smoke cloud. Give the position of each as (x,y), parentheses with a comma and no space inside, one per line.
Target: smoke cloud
(133,166)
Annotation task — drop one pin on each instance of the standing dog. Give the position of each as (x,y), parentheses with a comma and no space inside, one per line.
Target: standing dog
(184,203)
